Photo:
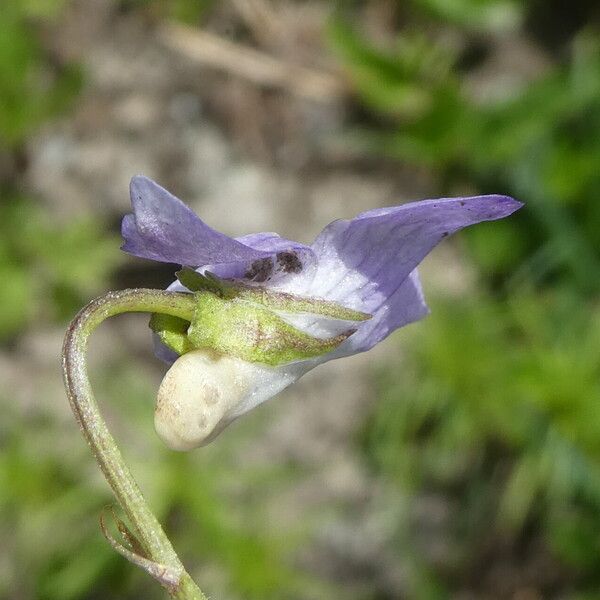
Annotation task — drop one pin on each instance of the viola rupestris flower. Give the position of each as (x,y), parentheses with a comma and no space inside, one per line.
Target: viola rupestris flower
(269,309)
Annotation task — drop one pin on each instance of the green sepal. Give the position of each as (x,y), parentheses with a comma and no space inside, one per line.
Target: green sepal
(196,282)
(254,333)
(241,320)
(172,332)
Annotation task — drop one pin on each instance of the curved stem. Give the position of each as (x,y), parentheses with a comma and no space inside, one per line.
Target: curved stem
(152,538)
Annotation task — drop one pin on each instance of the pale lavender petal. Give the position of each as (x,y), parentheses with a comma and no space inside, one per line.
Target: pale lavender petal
(269,241)
(364,263)
(163,228)
(406,305)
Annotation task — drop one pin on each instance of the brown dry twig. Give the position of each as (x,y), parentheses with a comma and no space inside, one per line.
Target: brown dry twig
(262,69)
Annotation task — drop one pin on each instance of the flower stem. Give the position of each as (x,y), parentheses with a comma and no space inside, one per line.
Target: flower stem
(151,537)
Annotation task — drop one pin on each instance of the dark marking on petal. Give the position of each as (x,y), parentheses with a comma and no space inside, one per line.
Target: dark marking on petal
(260,270)
(289,262)
(445,234)
(462,202)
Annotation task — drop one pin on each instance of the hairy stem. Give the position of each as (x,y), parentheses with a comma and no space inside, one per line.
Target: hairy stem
(152,538)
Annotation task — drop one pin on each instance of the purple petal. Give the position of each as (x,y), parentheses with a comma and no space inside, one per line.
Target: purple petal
(163,228)
(364,263)
(406,305)
(269,241)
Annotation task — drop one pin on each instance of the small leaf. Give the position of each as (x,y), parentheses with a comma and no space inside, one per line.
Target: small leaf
(130,539)
(168,577)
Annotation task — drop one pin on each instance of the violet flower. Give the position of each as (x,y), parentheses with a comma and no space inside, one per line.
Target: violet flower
(347,291)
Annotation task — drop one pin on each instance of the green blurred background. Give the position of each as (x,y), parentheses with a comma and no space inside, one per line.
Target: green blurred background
(461,457)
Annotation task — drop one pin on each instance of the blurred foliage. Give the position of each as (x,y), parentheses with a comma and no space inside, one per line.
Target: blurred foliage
(540,143)
(52,269)
(186,11)
(478,15)
(33,87)
(497,409)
